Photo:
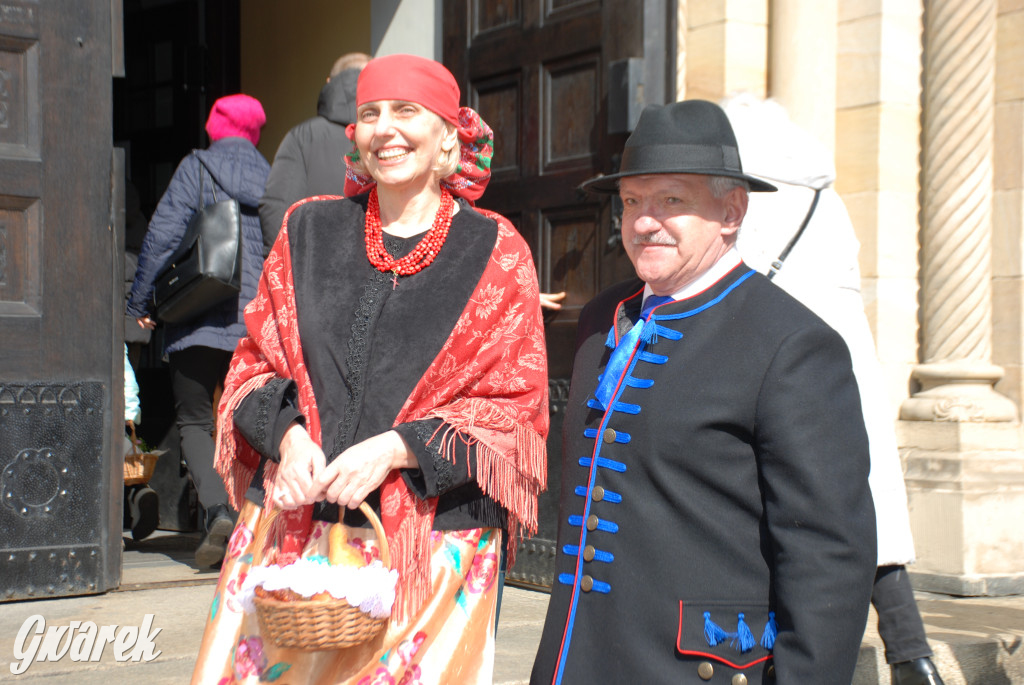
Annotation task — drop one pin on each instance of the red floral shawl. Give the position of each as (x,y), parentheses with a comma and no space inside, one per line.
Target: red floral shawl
(488,384)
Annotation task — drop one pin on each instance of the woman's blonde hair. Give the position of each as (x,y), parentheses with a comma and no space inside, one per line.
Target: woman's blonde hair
(447,161)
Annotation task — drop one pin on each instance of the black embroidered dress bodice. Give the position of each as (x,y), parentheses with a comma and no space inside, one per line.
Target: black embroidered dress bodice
(367,341)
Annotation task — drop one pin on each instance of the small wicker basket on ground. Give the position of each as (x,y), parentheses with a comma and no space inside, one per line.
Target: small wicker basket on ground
(138,465)
(317,624)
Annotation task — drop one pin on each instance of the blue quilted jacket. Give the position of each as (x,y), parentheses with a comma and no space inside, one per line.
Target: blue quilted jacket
(239,171)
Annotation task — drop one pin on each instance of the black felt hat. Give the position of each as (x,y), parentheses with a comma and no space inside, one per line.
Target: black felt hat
(689,137)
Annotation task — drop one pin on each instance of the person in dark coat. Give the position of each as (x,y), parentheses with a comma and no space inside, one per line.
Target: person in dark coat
(715,521)
(311,158)
(199,350)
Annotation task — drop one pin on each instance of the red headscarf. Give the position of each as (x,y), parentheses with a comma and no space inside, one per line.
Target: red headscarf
(412,79)
(430,84)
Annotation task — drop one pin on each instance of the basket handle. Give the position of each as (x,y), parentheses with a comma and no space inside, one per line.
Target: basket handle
(270,515)
(259,539)
(382,539)
(134,439)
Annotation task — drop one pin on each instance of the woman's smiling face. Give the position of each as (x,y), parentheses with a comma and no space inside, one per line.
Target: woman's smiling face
(400,142)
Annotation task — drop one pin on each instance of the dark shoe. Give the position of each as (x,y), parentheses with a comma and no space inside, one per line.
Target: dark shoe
(915,672)
(144,512)
(219,524)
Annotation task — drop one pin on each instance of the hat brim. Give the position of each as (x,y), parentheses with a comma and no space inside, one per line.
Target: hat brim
(610,184)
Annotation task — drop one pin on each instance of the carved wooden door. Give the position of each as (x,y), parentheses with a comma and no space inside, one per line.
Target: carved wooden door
(61,360)
(536,70)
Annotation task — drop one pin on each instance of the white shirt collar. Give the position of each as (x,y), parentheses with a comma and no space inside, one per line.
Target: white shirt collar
(729,261)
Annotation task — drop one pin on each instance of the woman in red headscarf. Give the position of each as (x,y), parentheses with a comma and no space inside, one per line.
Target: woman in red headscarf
(395,355)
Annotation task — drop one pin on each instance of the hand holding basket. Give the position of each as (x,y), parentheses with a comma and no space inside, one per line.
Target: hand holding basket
(138,465)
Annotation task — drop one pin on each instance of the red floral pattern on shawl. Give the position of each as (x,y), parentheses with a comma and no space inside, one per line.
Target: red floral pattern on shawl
(488,384)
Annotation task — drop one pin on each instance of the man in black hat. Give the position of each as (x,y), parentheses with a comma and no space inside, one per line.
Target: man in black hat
(715,519)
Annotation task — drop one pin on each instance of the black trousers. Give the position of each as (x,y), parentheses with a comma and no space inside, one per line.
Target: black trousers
(899,621)
(195,374)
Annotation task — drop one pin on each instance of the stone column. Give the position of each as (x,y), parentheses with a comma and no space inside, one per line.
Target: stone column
(961,442)
(802,63)
(682,29)
(957,373)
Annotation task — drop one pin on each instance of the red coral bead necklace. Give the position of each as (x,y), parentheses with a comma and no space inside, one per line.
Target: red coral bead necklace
(424,252)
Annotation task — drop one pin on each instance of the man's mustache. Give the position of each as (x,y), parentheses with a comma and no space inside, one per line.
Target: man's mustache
(654,239)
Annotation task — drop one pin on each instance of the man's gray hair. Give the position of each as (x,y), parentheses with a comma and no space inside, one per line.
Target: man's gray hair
(350,60)
(722,185)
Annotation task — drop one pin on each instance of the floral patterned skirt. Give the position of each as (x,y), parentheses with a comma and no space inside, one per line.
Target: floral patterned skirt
(451,640)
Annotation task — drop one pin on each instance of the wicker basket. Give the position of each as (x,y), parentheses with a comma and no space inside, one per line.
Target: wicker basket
(313,625)
(138,465)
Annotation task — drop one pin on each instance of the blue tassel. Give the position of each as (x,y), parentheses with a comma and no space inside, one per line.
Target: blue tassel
(713,633)
(610,340)
(771,629)
(650,332)
(744,640)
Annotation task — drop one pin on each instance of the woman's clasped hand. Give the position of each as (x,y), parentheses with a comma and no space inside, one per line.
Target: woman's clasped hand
(303,476)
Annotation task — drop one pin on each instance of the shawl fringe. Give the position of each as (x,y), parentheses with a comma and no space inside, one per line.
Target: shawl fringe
(514,480)
(410,554)
(237,472)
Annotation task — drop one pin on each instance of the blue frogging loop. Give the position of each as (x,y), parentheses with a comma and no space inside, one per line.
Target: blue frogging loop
(609,496)
(606,526)
(651,358)
(603,463)
(620,436)
(574,550)
(621,407)
(570,579)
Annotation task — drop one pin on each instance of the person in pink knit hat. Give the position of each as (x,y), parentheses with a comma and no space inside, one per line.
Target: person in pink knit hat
(238,116)
(199,350)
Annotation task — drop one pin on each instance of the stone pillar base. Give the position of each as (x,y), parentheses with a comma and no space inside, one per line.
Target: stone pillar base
(965,586)
(965,491)
(958,391)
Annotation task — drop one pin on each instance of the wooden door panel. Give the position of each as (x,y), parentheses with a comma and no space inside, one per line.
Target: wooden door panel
(499,102)
(20,258)
(570,111)
(19,83)
(20,173)
(488,16)
(536,71)
(555,6)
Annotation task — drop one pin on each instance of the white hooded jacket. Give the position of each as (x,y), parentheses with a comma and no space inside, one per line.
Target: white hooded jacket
(822,272)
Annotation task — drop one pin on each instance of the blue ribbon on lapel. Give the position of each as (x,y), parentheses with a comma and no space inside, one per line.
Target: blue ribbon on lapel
(624,351)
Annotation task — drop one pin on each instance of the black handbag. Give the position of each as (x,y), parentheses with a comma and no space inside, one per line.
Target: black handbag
(206,269)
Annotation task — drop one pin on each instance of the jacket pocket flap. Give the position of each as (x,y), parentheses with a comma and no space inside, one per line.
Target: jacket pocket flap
(733,633)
